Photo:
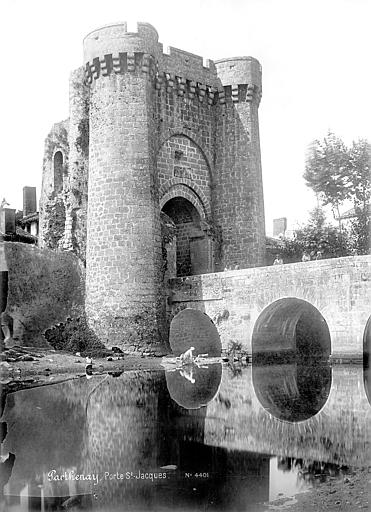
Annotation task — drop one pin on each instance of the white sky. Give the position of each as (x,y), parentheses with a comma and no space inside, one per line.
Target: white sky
(315,56)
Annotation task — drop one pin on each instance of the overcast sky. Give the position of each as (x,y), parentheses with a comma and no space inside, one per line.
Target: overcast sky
(315,56)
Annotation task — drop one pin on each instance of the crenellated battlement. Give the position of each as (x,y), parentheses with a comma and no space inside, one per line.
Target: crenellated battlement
(240,93)
(113,50)
(139,62)
(120,63)
(186,88)
(144,63)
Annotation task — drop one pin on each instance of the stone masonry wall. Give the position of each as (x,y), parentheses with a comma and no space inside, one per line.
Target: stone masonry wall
(124,241)
(181,161)
(239,206)
(44,289)
(338,288)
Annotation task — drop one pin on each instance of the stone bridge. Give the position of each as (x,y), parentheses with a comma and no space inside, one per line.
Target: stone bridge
(265,308)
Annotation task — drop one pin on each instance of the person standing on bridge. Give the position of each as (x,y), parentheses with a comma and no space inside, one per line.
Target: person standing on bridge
(278,260)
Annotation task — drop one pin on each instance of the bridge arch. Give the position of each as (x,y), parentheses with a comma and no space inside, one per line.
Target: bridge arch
(183,188)
(291,325)
(194,328)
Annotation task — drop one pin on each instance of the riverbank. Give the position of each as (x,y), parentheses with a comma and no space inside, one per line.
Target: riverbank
(23,367)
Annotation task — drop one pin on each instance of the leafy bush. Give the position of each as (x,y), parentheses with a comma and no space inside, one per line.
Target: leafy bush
(76,336)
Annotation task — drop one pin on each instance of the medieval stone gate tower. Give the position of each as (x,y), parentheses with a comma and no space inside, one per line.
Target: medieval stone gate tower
(156,174)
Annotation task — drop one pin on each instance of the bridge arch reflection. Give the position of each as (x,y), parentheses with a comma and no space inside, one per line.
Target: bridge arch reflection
(292,392)
(197,391)
(290,345)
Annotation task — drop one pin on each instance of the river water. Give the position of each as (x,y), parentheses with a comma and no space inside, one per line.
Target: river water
(219,437)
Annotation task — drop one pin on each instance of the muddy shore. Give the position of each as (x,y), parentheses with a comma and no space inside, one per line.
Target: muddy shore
(49,367)
(347,495)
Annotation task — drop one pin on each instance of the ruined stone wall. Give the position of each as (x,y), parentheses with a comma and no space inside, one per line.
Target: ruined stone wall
(44,289)
(338,288)
(76,186)
(64,194)
(55,172)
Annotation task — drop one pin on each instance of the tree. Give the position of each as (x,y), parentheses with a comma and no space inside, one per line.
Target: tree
(360,184)
(316,235)
(336,173)
(358,178)
(360,231)
(327,171)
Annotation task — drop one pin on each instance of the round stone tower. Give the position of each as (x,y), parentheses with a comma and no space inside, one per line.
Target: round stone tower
(239,202)
(123,262)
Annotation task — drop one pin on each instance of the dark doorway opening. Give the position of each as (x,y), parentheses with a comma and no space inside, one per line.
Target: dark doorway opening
(192,251)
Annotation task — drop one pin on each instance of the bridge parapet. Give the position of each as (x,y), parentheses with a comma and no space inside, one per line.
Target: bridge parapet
(340,289)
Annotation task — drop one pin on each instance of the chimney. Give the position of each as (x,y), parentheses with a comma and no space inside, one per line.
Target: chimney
(29,200)
(279,226)
(7,221)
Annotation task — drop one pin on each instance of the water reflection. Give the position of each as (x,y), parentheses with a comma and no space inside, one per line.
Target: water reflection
(193,386)
(124,443)
(292,392)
